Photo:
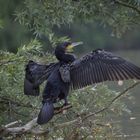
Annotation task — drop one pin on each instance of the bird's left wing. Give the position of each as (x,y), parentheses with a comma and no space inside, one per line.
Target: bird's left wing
(36,74)
(99,66)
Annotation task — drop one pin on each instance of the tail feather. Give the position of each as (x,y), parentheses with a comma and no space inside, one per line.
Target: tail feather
(29,88)
(46,113)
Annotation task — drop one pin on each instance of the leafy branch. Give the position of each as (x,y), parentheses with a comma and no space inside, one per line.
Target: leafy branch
(6,100)
(112,101)
(32,128)
(127,5)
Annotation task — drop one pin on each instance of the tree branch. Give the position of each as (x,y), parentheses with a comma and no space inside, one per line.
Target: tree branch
(128,5)
(7,100)
(29,127)
(12,124)
(3,63)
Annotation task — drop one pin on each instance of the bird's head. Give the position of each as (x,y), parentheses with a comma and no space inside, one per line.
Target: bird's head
(67,47)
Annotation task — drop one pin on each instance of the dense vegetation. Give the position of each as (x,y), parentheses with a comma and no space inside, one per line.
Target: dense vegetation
(49,21)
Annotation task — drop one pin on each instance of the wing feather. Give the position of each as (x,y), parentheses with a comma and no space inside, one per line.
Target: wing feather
(35,75)
(130,73)
(99,66)
(134,68)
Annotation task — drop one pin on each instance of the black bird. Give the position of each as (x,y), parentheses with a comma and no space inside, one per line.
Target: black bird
(70,72)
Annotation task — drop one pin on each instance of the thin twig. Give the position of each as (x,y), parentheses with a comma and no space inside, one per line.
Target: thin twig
(7,100)
(111,102)
(12,124)
(3,63)
(6,62)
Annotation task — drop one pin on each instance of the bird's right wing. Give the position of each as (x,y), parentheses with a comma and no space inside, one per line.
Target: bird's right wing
(99,66)
(36,74)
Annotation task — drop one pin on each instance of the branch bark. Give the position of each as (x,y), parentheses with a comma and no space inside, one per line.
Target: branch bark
(29,127)
(12,124)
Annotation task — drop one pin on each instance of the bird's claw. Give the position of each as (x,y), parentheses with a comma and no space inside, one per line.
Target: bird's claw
(65,105)
(61,109)
(58,108)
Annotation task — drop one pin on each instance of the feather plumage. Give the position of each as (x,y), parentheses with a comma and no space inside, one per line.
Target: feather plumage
(99,66)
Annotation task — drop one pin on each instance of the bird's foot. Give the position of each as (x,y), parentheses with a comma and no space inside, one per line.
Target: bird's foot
(66,104)
(62,109)
(58,108)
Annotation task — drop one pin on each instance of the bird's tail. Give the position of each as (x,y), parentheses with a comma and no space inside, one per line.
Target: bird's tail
(46,113)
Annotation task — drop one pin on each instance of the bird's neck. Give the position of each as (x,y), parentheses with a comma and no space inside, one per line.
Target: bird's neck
(64,57)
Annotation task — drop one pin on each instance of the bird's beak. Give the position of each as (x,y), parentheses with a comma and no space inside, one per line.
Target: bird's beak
(70,47)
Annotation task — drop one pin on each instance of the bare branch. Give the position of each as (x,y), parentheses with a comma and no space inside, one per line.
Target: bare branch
(29,127)
(12,123)
(19,130)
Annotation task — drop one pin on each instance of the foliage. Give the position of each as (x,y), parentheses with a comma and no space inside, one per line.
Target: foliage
(42,16)
(12,34)
(83,20)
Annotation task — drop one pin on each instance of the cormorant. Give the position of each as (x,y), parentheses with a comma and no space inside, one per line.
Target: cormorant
(70,72)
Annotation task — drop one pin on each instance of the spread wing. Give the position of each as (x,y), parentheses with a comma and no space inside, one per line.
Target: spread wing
(36,74)
(99,66)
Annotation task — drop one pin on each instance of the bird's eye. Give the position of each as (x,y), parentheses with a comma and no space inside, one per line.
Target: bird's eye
(67,44)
